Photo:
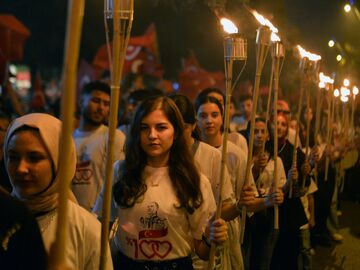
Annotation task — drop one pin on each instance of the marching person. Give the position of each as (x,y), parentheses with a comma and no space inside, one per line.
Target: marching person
(31,154)
(263,235)
(164,205)
(210,121)
(208,161)
(91,143)
(235,137)
(291,212)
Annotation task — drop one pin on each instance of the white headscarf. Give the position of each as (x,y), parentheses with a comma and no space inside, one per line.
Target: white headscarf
(50,130)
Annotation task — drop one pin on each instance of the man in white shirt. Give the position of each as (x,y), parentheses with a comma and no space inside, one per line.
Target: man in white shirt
(91,138)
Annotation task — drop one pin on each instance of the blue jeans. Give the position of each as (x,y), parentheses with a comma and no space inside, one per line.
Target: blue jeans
(305,247)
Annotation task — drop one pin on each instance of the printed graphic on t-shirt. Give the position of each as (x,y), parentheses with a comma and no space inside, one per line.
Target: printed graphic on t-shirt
(148,242)
(84,171)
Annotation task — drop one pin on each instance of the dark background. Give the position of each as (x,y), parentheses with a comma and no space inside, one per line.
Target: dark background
(184,25)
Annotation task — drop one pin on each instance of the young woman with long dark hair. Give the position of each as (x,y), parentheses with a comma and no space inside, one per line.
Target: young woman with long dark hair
(164,205)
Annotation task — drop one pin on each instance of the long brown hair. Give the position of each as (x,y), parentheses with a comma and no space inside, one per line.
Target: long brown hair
(184,176)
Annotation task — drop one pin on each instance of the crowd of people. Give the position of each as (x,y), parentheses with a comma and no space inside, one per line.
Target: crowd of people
(166,184)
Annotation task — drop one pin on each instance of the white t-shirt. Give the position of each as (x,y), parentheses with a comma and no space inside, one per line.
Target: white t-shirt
(236,165)
(153,229)
(265,180)
(83,237)
(208,160)
(91,148)
(239,140)
(312,188)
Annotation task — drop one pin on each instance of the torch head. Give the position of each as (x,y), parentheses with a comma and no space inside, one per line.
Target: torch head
(124,7)
(235,47)
(278,50)
(263,35)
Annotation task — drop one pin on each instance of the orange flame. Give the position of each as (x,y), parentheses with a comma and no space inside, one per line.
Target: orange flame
(325,79)
(229,26)
(263,21)
(275,37)
(306,54)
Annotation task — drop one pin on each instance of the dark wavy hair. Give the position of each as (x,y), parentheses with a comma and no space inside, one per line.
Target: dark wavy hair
(207,91)
(184,176)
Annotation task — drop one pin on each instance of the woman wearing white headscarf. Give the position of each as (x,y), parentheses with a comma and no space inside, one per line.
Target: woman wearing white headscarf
(31,154)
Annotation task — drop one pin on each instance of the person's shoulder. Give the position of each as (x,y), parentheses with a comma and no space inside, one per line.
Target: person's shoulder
(208,148)
(232,147)
(120,134)
(79,216)
(204,182)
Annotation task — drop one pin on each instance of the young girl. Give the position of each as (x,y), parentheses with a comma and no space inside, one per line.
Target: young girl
(210,121)
(164,204)
(263,236)
(32,162)
(234,136)
(291,212)
(208,161)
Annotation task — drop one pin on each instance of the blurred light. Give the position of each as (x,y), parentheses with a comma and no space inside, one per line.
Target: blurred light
(344,99)
(13,69)
(331,43)
(304,53)
(355,90)
(346,82)
(275,37)
(347,8)
(336,93)
(176,86)
(344,91)
(322,84)
(338,57)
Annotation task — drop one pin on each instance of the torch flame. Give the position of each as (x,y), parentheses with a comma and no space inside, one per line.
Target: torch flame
(344,99)
(229,26)
(263,21)
(325,79)
(355,90)
(275,37)
(344,91)
(310,56)
(322,84)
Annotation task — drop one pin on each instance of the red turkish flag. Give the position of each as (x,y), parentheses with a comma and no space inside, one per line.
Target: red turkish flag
(193,78)
(141,55)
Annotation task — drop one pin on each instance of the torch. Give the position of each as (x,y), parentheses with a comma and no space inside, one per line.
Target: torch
(235,49)
(120,14)
(327,83)
(263,43)
(321,85)
(306,63)
(355,92)
(308,78)
(278,55)
(344,97)
(72,45)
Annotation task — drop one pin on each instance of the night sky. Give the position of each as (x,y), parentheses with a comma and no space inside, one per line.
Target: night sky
(185,25)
